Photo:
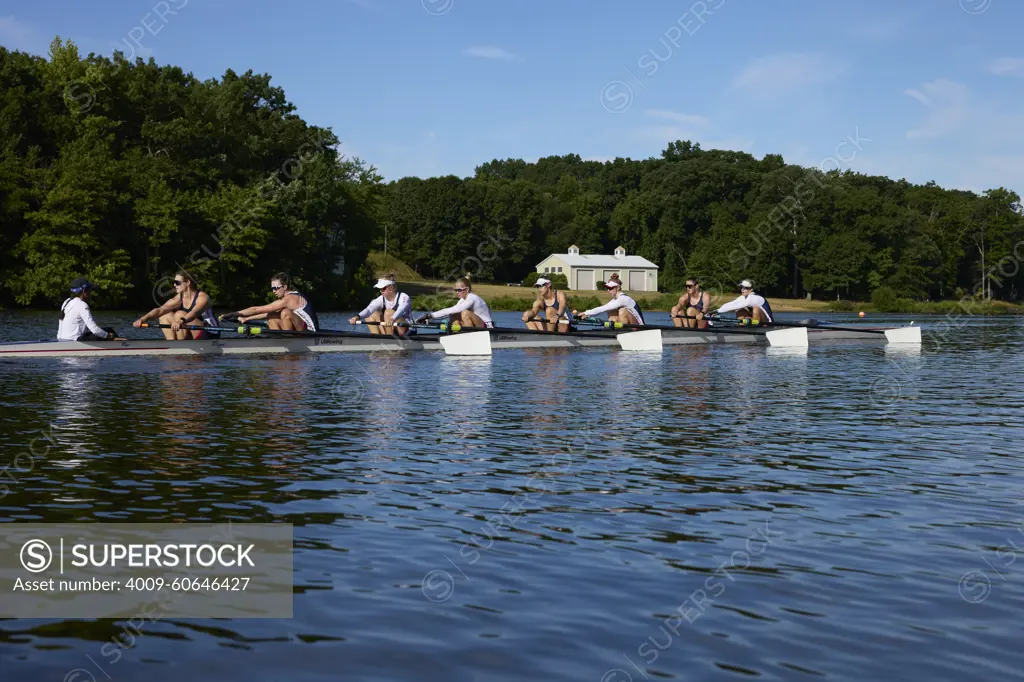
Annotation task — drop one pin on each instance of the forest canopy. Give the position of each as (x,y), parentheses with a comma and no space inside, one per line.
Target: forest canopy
(720,216)
(124,172)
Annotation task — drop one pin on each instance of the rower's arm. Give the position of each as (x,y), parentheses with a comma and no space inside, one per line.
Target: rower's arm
(706,297)
(91,324)
(374,306)
(457,308)
(563,303)
(252,312)
(198,306)
(613,304)
(738,304)
(169,307)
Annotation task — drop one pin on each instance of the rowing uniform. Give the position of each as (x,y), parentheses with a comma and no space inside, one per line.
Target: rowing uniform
(402,306)
(749,301)
(620,301)
(306,313)
(76,322)
(698,306)
(207,316)
(566,314)
(473,304)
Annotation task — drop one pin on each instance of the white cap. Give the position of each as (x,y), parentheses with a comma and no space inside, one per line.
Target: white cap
(747,283)
(611,284)
(381,283)
(541,281)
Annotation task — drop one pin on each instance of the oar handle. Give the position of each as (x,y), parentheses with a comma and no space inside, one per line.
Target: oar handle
(383,324)
(244,329)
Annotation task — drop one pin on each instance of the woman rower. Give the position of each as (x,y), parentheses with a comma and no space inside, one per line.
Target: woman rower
(470,311)
(553,305)
(76,323)
(750,307)
(621,308)
(388,310)
(689,312)
(190,307)
(290,312)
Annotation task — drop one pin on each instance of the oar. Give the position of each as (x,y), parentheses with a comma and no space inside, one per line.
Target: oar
(196,327)
(622,325)
(249,330)
(908,334)
(779,337)
(643,337)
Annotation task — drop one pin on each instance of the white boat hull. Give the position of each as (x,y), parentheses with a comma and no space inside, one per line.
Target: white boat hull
(365,343)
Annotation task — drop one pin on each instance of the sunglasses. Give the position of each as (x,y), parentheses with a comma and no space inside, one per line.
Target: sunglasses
(178,282)
(745,288)
(459,291)
(690,286)
(277,287)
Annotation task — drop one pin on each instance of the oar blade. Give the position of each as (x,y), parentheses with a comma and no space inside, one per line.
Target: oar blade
(904,335)
(794,337)
(466,343)
(646,340)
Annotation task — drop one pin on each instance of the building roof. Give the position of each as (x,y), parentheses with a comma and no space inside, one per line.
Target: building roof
(593,260)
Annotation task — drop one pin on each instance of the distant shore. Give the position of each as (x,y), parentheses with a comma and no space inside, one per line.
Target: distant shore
(435,294)
(502,298)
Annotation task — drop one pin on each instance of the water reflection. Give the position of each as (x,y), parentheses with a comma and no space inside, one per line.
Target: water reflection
(576,499)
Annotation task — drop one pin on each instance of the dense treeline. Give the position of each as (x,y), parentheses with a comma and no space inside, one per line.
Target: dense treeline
(124,172)
(718,215)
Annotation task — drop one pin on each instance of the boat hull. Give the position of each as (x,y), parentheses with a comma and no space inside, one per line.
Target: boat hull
(366,343)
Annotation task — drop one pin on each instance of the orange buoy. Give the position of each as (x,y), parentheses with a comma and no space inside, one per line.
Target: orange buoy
(860,314)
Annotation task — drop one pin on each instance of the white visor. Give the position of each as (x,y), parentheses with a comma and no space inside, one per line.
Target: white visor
(747,283)
(610,285)
(541,282)
(381,283)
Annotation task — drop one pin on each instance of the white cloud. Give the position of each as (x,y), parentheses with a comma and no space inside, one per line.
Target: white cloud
(1007,66)
(491,52)
(678,117)
(948,107)
(785,74)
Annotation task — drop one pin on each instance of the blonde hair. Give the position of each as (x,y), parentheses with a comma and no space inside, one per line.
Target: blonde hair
(462,281)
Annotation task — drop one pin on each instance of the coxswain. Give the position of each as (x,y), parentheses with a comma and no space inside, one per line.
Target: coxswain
(622,308)
(290,312)
(470,311)
(189,307)
(749,306)
(76,322)
(385,313)
(693,306)
(551,305)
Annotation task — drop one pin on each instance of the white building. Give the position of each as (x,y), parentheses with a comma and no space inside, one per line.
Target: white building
(586,270)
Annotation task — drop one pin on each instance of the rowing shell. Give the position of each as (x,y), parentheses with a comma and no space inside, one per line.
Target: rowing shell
(340,342)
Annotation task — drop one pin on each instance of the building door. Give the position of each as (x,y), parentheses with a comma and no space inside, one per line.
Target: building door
(637,280)
(607,275)
(585,280)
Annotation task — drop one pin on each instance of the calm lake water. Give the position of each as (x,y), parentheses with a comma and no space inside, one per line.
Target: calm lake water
(710,513)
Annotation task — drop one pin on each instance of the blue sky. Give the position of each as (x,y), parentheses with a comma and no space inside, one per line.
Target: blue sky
(928,89)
